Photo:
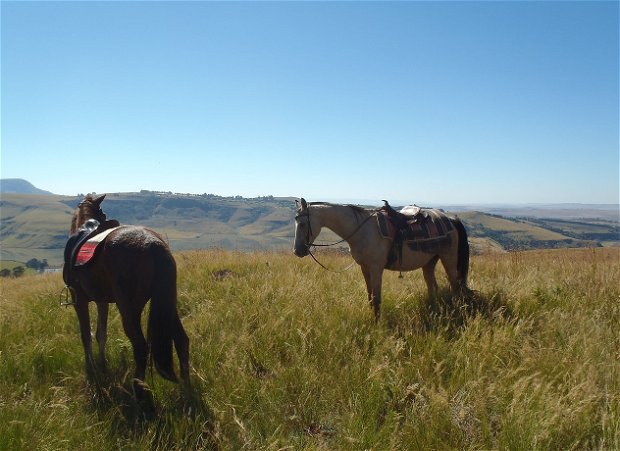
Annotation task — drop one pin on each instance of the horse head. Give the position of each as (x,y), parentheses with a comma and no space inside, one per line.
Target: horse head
(305,229)
(89,208)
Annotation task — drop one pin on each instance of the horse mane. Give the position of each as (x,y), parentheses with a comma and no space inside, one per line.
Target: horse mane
(356,208)
(358,211)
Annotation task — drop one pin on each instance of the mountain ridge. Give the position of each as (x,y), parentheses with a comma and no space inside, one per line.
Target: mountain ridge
(20,186)
(570,210)
(37,225)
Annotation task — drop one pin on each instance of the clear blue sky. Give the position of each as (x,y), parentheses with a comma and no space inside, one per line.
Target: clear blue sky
(434,102)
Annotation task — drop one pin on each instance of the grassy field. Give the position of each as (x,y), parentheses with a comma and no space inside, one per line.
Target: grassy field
(286,355)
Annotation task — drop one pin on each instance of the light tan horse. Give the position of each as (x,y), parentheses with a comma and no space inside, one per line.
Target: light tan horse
(370,249)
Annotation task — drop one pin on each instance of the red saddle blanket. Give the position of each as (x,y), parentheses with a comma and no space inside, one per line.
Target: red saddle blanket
(426,224)
(87,251)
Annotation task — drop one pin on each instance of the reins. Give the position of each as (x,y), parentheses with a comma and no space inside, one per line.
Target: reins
(328,269)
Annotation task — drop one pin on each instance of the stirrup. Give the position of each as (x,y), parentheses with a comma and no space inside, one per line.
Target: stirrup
(66,291)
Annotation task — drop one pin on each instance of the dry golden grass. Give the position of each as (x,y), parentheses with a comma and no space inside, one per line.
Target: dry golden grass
(286,355)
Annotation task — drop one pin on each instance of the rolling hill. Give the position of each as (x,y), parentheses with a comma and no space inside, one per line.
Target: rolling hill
(36,226)
(493,232)
(19,186)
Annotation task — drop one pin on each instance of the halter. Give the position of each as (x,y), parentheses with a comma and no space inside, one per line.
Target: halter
(309,234)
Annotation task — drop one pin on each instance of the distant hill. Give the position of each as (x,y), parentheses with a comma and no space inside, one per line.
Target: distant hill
(495,232)
(609,212)
(20,186)
(37,226)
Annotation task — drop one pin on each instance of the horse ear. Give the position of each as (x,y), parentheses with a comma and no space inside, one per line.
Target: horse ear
(99,199)
(304,204)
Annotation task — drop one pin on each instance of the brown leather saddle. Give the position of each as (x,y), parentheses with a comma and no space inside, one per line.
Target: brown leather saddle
(421,229)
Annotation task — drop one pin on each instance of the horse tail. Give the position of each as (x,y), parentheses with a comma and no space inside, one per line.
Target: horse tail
(462,265)
(163,318)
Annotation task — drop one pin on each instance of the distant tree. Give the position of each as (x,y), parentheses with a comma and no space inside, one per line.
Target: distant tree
(33,263)
(5,272)
(18,271)
(37,265)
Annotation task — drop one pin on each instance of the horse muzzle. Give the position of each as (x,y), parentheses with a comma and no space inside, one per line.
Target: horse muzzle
(301,251)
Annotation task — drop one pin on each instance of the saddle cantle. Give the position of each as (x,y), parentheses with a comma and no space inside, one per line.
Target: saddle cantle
(410,210)
(82,246)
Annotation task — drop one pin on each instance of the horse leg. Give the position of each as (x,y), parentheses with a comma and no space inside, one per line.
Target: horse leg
(102,331)
(376,278)
(366,273)
(133,330)
(81,309)
(181,344)
(429,276)
(449,265)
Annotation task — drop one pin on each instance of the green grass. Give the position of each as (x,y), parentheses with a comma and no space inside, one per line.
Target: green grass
(286,355)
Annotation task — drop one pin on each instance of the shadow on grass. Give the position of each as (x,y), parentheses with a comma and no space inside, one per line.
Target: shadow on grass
(182,413)
(450,313)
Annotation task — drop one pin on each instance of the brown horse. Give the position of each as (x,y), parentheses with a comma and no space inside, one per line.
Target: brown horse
(371,250)
(132,265)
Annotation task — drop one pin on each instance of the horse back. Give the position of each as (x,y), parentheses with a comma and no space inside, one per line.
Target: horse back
(135,249)
(129,261)
(135,239)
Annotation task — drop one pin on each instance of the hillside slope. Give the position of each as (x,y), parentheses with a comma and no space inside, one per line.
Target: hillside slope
(37,226)
(33,226)
(520,234)
(19,186)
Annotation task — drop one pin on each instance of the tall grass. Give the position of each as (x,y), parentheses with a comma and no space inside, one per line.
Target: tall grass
(286,355)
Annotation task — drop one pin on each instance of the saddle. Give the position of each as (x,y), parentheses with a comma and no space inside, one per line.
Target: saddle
(82,245)
(422,229)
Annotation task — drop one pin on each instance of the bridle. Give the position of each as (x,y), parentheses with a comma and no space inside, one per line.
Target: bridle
(99,215)
(309,245)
